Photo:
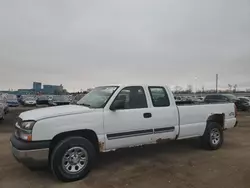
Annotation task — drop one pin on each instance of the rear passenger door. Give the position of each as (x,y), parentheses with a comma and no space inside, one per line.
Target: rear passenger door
(165,117)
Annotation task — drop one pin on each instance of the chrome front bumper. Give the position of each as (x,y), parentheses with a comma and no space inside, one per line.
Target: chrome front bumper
(33,155)
(27,155)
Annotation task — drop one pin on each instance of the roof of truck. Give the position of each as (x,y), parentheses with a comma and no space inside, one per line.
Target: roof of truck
(133,84)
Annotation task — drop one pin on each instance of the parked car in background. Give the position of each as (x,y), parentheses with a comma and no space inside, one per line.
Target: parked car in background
(21,99)
(77,98)
(177,98)
(2,113)
(59,100)
(3,101)
(244,99)
(12,100)
(224,98)
(201,99)
(42,100)
(30,101)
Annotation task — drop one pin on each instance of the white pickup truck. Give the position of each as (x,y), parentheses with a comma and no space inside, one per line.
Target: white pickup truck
(68,138)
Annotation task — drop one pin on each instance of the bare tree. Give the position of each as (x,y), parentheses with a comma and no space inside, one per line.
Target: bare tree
(230,87)
(235,87)
(203,89)
(178,89)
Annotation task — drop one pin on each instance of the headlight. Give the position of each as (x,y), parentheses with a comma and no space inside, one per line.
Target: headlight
(27,125)
(24,130)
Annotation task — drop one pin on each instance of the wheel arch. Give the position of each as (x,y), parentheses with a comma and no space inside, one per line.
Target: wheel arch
(85,133)
(217,118)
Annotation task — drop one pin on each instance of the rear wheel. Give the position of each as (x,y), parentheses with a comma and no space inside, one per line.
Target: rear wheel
(213,137)
(72,159)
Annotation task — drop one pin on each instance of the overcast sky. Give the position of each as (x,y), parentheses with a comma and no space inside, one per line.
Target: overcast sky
(86,43)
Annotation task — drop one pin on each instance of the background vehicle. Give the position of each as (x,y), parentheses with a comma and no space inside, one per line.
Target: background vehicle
(12,100)
(177,98)
(42,100)
(2,113)
(225,98)
(77,97)
(244,104)
(29,101)
(59,100)
(113,117)
(200,99)
(244,99)
(3,101)
(21,99)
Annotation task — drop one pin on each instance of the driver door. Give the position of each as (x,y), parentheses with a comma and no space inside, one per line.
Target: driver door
(129,125)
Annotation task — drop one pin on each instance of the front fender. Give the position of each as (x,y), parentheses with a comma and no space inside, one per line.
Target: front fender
(47,129)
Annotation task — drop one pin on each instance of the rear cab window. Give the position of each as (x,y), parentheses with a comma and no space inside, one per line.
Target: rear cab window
(159,96)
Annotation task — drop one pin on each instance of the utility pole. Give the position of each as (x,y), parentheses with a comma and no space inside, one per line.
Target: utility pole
(217,78)
(195,86)
(203,90)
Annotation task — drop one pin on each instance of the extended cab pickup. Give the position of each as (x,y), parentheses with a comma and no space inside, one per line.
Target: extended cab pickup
(68,138)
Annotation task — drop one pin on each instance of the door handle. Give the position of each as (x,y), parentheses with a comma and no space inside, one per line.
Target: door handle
(147,115)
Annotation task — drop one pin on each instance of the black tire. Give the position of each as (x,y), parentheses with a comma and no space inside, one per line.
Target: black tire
(56,159)
(209,141)
(6,111)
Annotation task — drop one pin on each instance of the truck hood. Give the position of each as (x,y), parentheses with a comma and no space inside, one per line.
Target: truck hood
(50,112)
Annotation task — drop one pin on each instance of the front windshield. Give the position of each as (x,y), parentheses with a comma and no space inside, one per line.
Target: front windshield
(98,97)
(11,97)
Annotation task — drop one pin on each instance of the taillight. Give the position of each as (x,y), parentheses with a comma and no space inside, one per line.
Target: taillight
(235,110)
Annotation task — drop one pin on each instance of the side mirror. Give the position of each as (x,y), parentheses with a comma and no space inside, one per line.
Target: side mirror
(117,104)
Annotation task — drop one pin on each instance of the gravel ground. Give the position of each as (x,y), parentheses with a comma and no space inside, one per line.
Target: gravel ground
(174,165)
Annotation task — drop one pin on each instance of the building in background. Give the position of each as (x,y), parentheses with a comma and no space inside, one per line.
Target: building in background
(25,92)
(37,86)
(37,89)
(53,89)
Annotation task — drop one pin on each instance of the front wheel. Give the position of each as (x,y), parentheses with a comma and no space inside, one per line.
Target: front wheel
(213,137)
(72,159)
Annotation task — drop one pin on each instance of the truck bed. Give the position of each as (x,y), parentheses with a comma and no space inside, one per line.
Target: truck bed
(194,116)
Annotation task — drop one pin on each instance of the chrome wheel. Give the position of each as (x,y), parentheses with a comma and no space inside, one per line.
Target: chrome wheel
(75,160)
(215,136)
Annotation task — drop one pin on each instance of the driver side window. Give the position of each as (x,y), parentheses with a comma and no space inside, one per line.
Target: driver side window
(131,98)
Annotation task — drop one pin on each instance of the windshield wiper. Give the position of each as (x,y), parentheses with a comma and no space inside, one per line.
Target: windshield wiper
(87,105)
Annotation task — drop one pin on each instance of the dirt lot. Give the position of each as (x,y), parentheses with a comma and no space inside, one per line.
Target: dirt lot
(176,164)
